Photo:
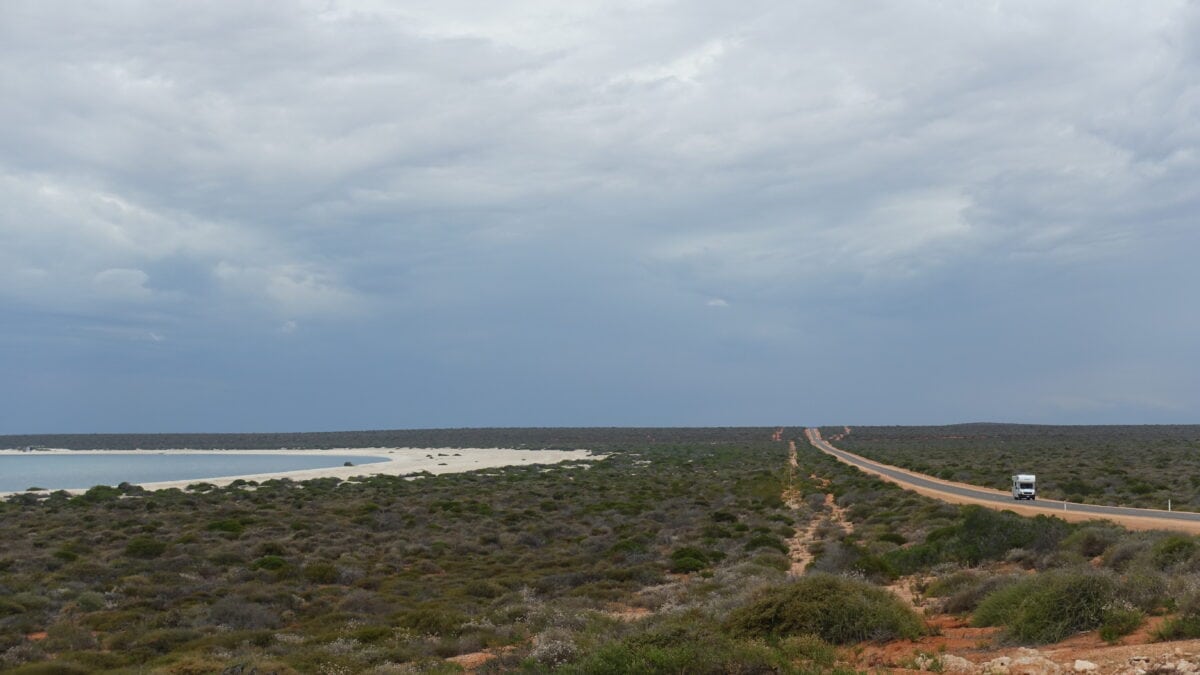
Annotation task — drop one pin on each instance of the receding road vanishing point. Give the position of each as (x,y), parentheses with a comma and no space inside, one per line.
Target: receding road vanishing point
(961,493)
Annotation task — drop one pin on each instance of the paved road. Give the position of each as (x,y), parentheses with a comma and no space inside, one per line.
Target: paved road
(1048,506)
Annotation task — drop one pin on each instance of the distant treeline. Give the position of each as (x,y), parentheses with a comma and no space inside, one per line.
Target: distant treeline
(533,438)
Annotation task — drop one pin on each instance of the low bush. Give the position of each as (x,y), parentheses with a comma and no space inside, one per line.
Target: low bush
(9,606)
(321,573)
(1172,550)
(269,562)
(874,567)
(1146,590)
(772,560)
(145,547)
(685,643)
(967,598)
(480,588)
(839,610)
(688,559)
(764,540)
(1121,555)
(809,650)
(242,614)
(1119,621)
(703,658)
(1180,627)
(1185,625)
(227,526)
(432,621)
(950,584)
(1092,540)
(1049,606)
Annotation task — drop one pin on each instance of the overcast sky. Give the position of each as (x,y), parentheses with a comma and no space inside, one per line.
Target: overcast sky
(331,215)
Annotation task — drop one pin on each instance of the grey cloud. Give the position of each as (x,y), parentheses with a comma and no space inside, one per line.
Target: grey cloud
(465,178)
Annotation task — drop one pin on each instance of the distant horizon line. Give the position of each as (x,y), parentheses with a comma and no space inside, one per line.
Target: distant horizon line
(566,427)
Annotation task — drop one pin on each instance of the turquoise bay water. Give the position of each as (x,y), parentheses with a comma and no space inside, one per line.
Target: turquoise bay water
(77,471)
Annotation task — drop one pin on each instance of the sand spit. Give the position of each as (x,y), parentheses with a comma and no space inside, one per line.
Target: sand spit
(397,462)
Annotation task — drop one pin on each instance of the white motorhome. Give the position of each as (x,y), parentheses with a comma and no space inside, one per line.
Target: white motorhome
(1024,486)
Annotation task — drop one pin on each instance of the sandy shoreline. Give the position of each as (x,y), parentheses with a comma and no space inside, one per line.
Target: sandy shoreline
(397,462)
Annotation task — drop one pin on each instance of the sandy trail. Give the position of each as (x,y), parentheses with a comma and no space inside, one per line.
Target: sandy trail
(397,462)
(799,545)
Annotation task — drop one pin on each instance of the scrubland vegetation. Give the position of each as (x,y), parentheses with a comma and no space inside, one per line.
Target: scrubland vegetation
(668,556)
(1142,466)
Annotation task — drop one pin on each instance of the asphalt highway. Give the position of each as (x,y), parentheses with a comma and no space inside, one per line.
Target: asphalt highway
(1048,506)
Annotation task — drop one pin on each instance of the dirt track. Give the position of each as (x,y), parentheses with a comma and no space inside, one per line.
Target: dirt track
(962,493)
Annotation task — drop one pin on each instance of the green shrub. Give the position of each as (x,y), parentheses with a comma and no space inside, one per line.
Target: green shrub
(716,532)
(836,609)
(271,548)
(772,560)
(1049,606)
(874,567)
(1144,589)
(687,565)
(764,540)
(432,621)
(688,559)
(980,534)
(269,562)
(952,583)
(1000,606)
(165,639)
(1172,550)
(9,606)
(66,636)
(66,555)
(1092,540)
(702,658)
(241,614)
(372,633)
(145,547)
(1181,627)
(480,588)
(1121,554)
(100,493)
(321,573)
(809,649)
(1120,621)
(112,620)
(632,545)
(968,597)
(686,643)
(228,526)
(90,601)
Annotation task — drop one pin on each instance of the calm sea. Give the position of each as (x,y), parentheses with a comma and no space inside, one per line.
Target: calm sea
(61,471)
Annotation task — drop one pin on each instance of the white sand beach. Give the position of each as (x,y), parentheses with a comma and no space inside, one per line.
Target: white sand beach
(398,462)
